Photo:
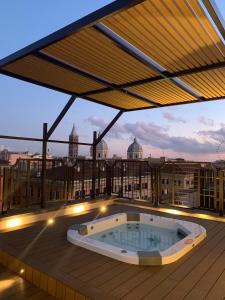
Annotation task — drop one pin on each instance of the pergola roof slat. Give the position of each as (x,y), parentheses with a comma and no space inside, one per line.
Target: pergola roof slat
(131,55)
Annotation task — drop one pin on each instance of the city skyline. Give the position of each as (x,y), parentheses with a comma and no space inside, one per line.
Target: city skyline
(189,131)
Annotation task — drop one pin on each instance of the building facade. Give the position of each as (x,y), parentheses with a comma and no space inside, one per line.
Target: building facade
(11,157)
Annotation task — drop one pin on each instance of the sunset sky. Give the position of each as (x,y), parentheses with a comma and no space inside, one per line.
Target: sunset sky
(194,131)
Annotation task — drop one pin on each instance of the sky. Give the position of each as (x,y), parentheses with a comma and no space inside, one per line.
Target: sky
(194,131)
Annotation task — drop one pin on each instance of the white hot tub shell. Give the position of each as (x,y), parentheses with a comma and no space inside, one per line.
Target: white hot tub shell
(193,234)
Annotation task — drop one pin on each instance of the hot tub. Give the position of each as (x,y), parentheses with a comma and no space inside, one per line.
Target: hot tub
(137,238)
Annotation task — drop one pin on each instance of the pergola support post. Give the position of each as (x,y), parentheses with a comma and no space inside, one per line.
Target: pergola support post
(43,171)
(94,164)
(221,193)
(46,135)
(97,140)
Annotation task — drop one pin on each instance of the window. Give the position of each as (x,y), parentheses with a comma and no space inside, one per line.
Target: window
(145,185)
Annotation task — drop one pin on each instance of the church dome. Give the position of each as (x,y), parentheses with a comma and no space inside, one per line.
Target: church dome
(101,150)
(134,147)
(102,146)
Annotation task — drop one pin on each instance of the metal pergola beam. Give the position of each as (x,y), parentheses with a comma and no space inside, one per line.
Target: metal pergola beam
(215,15)
(97,140)
(60,116)
(45,139)
(22,138)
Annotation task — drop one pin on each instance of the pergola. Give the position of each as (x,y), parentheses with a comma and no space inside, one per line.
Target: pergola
(129,55)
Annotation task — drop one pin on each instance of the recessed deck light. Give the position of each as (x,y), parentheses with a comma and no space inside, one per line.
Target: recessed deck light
(13,223)
(79,209)
(103,209)
(50,221)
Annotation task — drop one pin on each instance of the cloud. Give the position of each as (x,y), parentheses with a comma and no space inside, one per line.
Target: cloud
(156,136)
(206,121)
(115,132)
(214,135)
(151,134)
(171,118)
(98,122)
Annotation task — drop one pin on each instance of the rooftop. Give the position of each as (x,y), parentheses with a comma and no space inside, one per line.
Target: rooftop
(185,64)
(60,267)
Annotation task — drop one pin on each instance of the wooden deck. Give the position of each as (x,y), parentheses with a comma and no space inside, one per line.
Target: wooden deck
(198,275)
(15,287)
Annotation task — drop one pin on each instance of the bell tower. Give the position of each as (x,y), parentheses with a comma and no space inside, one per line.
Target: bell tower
(73,148)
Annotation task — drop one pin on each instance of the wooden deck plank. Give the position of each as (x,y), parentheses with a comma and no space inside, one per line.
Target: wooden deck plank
(92,265)
(108,275)
(199,268)
(162,290)
(120,278)
(206,283)
(217,292)
(161,273)
(125,287)
(14,287)
(104,278)
(185,268)
(100,270)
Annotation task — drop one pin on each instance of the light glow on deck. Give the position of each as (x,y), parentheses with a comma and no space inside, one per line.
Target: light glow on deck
(175,212)
(79,209)
(103,209)
(14,223)
(22,271)
(50,221)
(7,284)
(178,212)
